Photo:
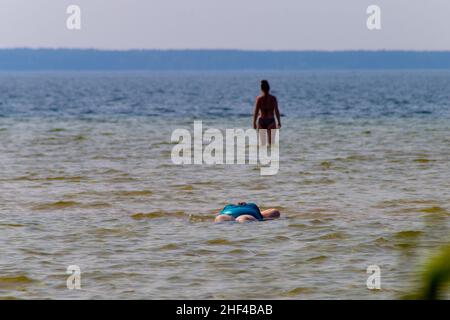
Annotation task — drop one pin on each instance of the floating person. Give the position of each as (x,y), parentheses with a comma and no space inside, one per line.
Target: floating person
(266,111)
(246,212)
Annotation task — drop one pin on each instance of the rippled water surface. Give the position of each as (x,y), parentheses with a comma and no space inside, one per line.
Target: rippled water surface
(86,179)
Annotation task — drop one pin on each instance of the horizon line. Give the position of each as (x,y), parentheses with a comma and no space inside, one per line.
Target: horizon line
(225,50)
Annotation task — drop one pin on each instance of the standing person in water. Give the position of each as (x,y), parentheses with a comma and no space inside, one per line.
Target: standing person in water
(266,110)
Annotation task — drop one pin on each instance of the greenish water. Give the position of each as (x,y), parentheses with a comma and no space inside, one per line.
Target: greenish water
(101,192)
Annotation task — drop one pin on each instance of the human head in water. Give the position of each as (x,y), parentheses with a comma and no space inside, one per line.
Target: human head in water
(265,86)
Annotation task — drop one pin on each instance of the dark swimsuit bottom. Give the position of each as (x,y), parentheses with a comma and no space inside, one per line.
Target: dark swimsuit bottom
(243,209)
(266,123)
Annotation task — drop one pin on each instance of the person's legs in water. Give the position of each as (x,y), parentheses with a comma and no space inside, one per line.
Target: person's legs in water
(246,218)
(269,131)
(224,218)
(265,127)
(270,214)
(240,219)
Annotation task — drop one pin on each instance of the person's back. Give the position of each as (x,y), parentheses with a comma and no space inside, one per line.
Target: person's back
(266,110)
(267,104)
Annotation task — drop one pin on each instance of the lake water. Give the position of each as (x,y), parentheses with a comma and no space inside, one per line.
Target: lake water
(86,179)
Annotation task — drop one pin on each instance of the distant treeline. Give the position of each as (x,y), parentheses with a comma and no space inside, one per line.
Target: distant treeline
(81,59)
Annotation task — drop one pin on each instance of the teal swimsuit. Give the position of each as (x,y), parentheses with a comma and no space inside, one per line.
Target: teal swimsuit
(244,209)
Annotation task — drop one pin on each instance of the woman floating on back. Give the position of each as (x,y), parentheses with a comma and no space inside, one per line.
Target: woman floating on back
(246,212)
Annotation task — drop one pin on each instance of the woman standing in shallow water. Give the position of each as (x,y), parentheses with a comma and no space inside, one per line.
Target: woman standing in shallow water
(266,110)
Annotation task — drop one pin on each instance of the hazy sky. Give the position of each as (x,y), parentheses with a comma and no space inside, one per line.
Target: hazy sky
(229,24)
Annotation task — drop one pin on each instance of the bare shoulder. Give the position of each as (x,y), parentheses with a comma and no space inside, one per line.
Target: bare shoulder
(258,100)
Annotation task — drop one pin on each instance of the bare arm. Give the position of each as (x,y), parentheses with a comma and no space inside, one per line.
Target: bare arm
(255,113)
(277,113)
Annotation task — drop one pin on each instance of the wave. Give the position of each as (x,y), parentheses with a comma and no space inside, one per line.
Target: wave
(408,234)
(133,193)
(8,282)
(334,236)
(169,247)
(219,242)
(435,210)
(317,259)
(158,214)
(33,177)
(297,291)
(201,218)
(56,205)
(65,178)
(12,225)
(61,205)
(423,160)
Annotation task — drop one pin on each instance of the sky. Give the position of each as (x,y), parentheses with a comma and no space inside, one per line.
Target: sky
(227,24)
